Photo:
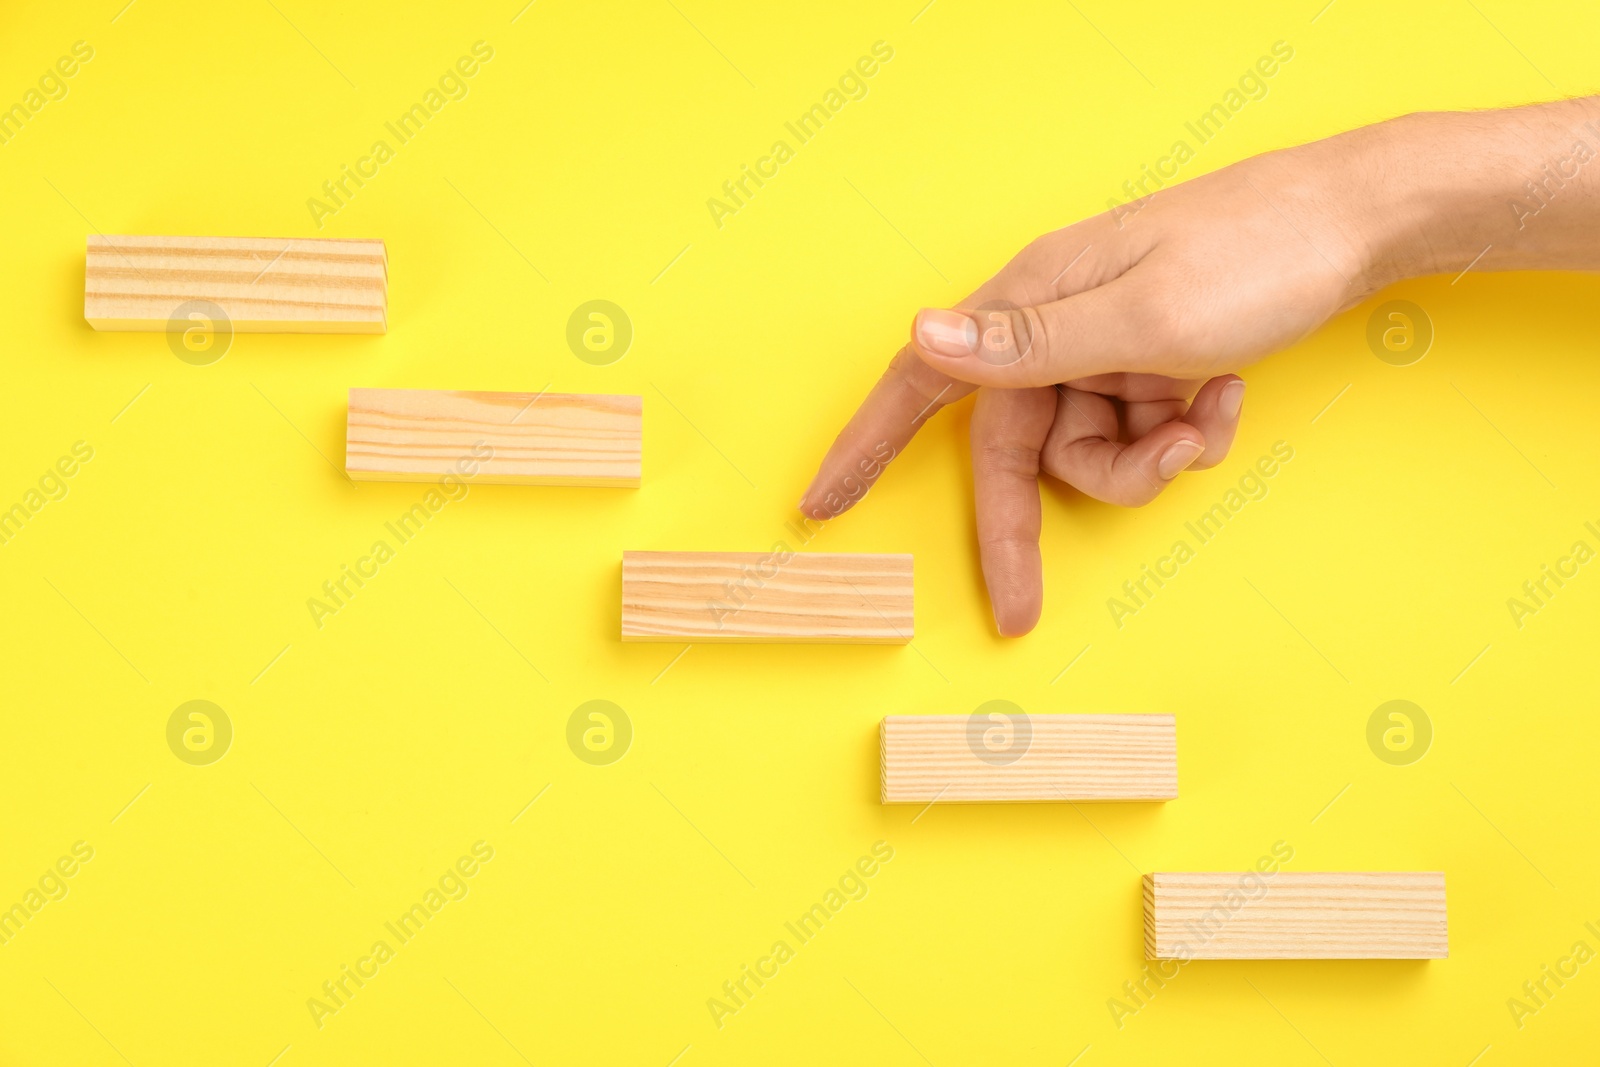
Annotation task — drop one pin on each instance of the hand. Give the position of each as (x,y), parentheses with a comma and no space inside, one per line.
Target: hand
(1100,353)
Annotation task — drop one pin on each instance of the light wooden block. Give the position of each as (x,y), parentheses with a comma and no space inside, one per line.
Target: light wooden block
(948,758)
(781,597)
(415,435)
(1298,916)
(263,284)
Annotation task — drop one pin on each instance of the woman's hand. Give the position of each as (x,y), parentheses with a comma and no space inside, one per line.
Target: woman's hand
(1101,352)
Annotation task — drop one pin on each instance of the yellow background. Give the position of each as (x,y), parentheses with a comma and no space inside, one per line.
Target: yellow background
(375,751)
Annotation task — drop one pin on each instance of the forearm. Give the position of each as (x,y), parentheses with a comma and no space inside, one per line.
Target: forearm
(1517,189)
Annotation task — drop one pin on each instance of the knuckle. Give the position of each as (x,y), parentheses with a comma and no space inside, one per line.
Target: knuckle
(1041,341)
(1053,456)
(1033,256)
(1006,540)
(1009,459)
(933,389)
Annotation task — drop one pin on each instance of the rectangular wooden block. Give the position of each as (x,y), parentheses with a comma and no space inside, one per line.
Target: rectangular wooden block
(781,597)
(416,435)
(969,759)
(1295,916)
(262,284)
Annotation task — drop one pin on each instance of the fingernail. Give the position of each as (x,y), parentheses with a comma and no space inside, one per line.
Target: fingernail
(1231,400)
(1176,458)
(946,333)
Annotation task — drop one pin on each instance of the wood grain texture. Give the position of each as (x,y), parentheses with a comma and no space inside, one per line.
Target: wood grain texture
(967,759)
(1299,915)
(262,284)
(780,597)
(412,435)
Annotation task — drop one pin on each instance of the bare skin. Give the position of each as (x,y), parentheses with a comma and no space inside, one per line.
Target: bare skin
(1103,353)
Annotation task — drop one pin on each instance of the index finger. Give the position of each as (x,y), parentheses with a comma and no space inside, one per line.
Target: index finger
(911,391)
(908,395)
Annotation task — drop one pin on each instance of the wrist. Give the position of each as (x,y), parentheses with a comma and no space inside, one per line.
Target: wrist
(1421,212)
(1497,190)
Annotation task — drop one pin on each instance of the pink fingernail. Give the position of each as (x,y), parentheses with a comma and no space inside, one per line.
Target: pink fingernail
(1176,458)
(946,333)
(1231,400)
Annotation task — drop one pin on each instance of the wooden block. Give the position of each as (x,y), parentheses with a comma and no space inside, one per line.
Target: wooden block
(965,759)
(781,597)
(262,284)
(1295,916)
(418,435)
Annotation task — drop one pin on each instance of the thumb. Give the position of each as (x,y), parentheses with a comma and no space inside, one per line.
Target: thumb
(1103,330)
